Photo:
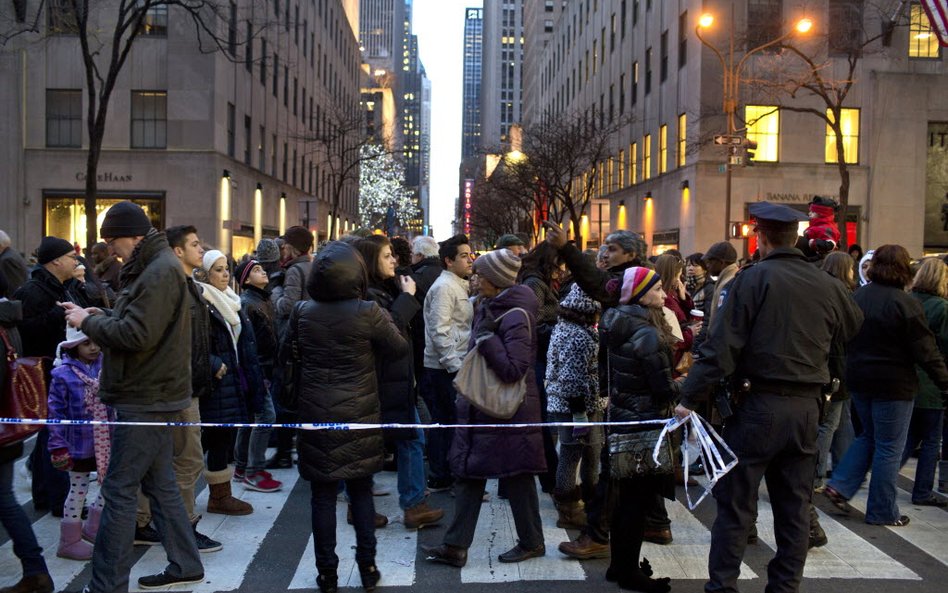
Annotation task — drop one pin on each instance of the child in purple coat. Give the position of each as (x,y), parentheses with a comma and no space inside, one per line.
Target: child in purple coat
(78,449)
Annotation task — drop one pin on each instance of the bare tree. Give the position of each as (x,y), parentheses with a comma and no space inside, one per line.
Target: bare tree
(560,164)
(107,30)
(826,68)
(502,205)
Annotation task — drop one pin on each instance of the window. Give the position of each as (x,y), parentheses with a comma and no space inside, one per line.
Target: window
(273,156)
(547,25)
(295,160)
(648,71)
(262,149)
(682,40)
(622,93)
(845,26)
(602,44)
(286,86)
(612,105)
(248,51)
(63,118)
(248,138)
(663,58)
(149,119)
(232,31)
(635,82)
(622,15)
(263,62)
(612,33)
(633,163)
(286,157)
(682,139)
(276,75)
(305,37)
(621,169)
(662,149)
(61,18)
(231,132)
(296,95)
(849,123)
(764,20)
(763,127)
(155,23)
(635,12)
(647,157)
(922,40)
(595,55)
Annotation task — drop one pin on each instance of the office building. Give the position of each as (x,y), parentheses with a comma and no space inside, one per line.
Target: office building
(473,60)
(501,73)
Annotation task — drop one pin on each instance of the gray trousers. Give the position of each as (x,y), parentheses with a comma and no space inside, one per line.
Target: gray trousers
(141,455)
(521,491)
(774,438)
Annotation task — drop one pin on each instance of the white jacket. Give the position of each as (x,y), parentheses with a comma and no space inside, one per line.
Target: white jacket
(448,316)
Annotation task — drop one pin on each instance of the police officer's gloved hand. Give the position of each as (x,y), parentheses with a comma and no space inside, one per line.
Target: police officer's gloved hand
(581,433)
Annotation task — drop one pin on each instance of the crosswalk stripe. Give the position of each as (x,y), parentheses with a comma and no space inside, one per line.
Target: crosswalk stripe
(495,534)
(845,556)
(241,536)
(927,527)
(396,547)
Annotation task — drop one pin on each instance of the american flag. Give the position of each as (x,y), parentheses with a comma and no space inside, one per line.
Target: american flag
(938,16)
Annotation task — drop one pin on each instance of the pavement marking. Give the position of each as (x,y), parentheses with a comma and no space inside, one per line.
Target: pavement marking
(241,536)
(62,571)
(396,547)
(927,530)
(496,533)
(845,556)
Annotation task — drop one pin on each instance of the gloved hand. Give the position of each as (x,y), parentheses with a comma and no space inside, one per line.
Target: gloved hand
(61,459)
(581,433)
(487,326)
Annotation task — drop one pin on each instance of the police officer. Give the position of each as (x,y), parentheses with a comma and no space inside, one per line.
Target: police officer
(777,323)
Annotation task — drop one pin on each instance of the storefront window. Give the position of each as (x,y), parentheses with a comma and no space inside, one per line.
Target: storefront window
(64,215)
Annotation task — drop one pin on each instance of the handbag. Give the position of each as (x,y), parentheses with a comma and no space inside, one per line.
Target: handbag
(481,386)
(631,454)
(24,394)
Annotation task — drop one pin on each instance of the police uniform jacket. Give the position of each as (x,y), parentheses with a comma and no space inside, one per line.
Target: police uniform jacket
(777,323)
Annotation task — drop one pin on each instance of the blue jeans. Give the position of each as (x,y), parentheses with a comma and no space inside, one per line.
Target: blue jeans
(141,455)
(18,526)
(879,447)
(824,439)
(437,389)
(250,449)
(411,469)
(845,433)
(323,505)
(925,432)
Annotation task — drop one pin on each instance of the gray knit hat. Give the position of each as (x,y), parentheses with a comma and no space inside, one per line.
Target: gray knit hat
(267,251)
(500,267)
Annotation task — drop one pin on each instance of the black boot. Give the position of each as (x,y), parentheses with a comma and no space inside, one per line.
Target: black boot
(817,535)
(327,581)
(370,577)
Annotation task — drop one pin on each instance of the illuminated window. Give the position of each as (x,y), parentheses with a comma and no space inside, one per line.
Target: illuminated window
(849,122)
(647,156)
(922,40)
(633,163)
(662,149)
(763,127)
(682,139)
(621,169)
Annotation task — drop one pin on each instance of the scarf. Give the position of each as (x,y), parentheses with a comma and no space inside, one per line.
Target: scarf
(100,432)
(228,304)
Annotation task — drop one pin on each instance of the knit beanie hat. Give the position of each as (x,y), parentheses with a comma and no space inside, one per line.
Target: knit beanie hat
(267,251)
(579,301)
(635,283)
(863,279)
(243,271)
(51,248)
(500,267)
(125,219)
(300,238)
(74,337)
(210,257)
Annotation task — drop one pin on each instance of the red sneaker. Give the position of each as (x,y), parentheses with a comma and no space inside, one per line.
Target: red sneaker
(261,483)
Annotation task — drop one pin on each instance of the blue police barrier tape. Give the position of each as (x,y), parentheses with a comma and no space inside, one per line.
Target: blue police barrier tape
(319,425)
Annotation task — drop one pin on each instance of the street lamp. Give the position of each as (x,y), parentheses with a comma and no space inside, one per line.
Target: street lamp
(731,75)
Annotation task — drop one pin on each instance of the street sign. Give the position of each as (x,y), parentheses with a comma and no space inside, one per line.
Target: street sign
(724,139)
(737,160)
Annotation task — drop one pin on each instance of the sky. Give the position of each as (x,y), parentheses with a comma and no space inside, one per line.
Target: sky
(439,25)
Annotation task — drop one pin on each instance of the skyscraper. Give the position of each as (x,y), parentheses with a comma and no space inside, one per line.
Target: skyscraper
(501,88)
(473,60)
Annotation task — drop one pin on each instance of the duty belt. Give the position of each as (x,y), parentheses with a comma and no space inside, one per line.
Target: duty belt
(786,388)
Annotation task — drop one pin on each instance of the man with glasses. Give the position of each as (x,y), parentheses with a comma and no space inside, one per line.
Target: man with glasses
(42,328)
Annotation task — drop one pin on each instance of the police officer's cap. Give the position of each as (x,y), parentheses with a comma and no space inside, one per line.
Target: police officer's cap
(775,215)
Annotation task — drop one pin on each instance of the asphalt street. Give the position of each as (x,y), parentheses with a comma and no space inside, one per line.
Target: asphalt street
(271,550)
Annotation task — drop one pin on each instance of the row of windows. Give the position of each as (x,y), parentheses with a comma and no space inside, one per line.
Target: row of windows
(763,127)
(149,119)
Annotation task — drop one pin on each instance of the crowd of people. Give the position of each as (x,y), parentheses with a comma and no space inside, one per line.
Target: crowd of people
(816,377)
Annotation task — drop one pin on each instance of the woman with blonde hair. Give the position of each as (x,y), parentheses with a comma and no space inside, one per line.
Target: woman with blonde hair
(929,287)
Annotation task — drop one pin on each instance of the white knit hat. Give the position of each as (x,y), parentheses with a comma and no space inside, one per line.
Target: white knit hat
(74,337)
(210,257)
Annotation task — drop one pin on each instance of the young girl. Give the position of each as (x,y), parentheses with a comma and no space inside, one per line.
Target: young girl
(74,395)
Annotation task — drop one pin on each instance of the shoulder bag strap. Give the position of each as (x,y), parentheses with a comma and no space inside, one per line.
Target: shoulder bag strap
(11,352)
(525,314)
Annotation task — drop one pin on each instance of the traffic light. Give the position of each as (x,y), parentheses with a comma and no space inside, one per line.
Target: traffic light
(750,146)
(741,230)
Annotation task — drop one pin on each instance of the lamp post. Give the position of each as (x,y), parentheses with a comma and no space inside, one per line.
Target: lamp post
(731,76)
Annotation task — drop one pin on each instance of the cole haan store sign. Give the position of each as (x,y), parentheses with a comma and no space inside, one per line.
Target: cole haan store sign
(106,177)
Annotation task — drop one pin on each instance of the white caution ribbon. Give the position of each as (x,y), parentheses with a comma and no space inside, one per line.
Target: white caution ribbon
(700,441)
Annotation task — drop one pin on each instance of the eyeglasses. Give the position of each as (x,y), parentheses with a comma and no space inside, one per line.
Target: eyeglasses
(109,240)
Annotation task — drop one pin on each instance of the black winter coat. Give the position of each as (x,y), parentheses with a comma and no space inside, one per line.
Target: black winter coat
(396,375)
(10,313)
(338,336)
(202,376)
(258,307)
(641,386)
(239,394)
(43,325)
